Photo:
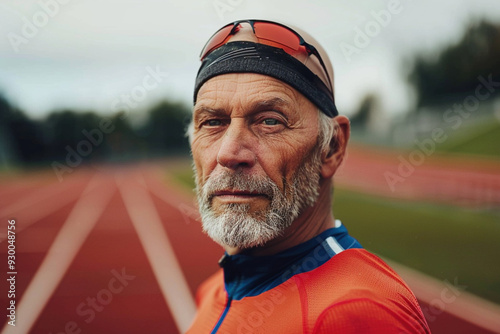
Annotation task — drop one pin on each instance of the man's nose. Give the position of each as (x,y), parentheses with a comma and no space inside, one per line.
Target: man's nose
(236,149)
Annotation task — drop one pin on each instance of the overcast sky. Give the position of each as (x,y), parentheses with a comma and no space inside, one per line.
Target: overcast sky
(80,54)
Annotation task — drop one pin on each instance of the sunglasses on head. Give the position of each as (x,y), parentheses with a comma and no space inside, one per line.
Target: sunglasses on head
(269,33)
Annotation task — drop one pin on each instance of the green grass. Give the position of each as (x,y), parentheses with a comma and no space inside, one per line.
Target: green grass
(184,177)
(482,138)
(445,242)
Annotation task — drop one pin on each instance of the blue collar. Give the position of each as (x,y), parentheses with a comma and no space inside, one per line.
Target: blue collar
(246,275)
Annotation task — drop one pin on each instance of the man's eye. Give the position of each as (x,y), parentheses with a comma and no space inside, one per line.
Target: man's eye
(270,121)
(213,122)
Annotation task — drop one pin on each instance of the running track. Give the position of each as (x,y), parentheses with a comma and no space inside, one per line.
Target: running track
(459,180)
(120,250)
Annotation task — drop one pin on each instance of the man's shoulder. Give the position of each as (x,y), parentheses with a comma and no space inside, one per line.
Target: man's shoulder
(353,273)
(355,267)
(349,272)
(356,285)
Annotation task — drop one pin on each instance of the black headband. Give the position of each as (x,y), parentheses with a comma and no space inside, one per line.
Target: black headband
(249,57)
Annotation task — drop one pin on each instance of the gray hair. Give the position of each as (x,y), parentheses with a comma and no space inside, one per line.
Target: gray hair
(327,129)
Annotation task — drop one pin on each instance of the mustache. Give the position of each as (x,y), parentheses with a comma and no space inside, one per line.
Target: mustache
(238,181)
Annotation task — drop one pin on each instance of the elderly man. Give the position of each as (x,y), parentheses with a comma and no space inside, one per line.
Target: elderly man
(266,140)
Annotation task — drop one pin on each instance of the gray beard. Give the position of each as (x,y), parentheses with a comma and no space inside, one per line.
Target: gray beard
(236,226)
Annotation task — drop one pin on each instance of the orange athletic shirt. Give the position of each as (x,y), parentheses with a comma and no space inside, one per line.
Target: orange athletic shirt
(352,292)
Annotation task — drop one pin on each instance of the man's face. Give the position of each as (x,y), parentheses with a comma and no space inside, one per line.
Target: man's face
(256,157)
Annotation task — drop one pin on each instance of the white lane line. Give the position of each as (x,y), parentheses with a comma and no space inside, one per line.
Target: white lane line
(34,197)
(185,204)
(158,187)
(38,205)
(161,256)
(456,301)
(63,250)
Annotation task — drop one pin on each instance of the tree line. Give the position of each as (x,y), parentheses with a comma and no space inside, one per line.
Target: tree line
(89,136)
(452,73)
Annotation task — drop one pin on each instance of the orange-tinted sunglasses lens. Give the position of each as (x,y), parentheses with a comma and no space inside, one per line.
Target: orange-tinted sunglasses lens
(271,34)
(268,33)
(277,35)
(217,40)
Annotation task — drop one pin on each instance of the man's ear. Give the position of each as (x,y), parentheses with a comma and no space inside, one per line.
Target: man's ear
(332,159)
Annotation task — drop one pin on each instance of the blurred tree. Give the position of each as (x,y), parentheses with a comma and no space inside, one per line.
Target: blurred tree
(123,142)
(7,152)
(20,136)
(454,72)
(365,112)
(91,136)
(65,128)
(165,128)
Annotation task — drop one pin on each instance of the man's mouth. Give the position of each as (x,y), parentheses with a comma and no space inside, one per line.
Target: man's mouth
(233,195)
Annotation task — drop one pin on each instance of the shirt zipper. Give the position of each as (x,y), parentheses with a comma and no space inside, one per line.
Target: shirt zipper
(223,262)
(223,315)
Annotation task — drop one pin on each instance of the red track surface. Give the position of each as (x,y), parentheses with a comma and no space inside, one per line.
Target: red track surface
(104,237)
(415,176)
